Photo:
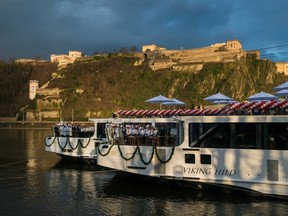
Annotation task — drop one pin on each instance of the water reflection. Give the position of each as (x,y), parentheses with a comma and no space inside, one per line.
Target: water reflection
(167,200)
(34,182)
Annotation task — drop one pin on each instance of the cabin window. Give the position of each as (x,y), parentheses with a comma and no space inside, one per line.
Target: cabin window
(101,130)
(239,135)
(137,133)
(190,158)
(205,159)
(245,135)
(209,135)
(277,136)
(168,133)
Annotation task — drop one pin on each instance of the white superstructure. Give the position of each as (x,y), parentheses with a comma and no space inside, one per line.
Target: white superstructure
(245,153)
(76,141)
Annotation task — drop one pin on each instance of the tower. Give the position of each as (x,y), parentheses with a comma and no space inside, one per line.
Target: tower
(33,86)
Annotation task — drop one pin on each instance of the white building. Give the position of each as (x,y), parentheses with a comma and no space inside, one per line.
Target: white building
(33,86)
(63,60)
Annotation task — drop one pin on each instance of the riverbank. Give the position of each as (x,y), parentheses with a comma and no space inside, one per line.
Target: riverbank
(26,124)
(32,124)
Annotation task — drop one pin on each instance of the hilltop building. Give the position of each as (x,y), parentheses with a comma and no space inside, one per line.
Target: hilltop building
(63,60)
(282,67)
(192,59)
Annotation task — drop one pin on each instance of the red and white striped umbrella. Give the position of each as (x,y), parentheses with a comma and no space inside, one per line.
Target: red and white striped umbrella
(145,112)
(167,112)
(178,112)
(268,104)
(278,104)
(258,104)
(247,105)
(155,112)
(150,112)
(225,111)
(238,105)
(139,112)
(194,111)
(187,111)
(285,105)
(215,111)
(133,112)
(206,112)
(129,112)
(199,112)
(122,112)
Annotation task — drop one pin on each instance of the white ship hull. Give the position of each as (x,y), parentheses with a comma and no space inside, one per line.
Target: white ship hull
(72,147)
(251,169)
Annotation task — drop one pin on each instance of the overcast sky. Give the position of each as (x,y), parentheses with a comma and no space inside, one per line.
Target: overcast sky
(31,28)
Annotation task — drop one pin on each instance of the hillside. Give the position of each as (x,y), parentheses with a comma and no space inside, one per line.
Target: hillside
(114,83)
(14,82)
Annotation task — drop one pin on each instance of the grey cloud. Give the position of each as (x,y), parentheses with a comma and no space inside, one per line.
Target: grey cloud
(38,27)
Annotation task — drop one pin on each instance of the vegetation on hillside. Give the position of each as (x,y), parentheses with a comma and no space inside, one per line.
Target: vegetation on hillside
(99,86)
(114,83)
(14,82)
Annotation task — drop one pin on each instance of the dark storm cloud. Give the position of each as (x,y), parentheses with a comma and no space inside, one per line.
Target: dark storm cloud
(32,28)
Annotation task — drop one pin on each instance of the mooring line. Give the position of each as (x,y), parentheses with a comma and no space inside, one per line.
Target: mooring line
(13,163)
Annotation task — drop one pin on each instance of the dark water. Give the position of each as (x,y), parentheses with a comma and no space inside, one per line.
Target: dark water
(34,182)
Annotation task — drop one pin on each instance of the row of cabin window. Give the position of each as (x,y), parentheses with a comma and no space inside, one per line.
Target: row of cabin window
(239,135)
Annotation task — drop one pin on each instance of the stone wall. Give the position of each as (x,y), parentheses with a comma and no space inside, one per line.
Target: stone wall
(220,52)
(49,92)
(188,67)
(282,67)
(36,115)
(50,102)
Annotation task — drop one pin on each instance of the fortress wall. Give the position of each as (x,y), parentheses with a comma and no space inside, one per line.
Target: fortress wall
(188,67)
(208,57)
(181,53)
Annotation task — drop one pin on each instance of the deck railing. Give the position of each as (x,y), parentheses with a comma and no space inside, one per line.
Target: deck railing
(273,107)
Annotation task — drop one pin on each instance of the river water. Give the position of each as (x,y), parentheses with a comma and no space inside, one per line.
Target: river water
(35,182)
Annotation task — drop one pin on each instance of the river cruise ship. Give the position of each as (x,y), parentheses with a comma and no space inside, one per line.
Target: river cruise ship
(74,141)
(241,147)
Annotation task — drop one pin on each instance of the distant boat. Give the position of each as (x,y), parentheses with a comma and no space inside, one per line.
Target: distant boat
(76,142)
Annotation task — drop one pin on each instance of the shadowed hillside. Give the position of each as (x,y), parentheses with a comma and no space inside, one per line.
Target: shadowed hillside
(14,82)
(114,83)
(98,87)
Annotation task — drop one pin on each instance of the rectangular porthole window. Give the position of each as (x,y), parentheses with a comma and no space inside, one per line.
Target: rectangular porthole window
(190,158)
(205,159)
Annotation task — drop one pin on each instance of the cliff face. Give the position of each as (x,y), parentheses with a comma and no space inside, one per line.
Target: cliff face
(100,87)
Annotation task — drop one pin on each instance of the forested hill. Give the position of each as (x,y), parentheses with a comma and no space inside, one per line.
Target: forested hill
(113,83)
(14,82)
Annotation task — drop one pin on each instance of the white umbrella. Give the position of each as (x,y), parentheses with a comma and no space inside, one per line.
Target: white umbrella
(174,101)
(281,87)
(224,102)
(218,97)
(262,96)
(283,92)
(158,99)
